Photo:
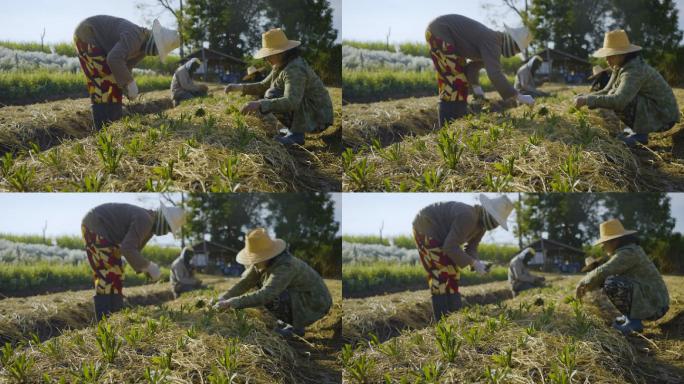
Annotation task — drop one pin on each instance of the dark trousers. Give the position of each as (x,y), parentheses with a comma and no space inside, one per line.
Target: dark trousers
(444,304)
(281,307)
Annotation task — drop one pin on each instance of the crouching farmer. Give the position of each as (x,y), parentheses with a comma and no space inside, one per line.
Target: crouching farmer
(182,275)
(440,230)
(629,279)
(524,78)
(182,86)
(288,287)
(292,91)
(519,275)
(113,230)
(636,92)
(453,39)
(108,48)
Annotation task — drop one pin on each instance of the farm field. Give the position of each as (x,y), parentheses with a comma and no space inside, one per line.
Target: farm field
(552,147)
(162,340)
(202,145)
(543,335)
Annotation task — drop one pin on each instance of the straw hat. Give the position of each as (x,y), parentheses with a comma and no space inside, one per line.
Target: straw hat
(597,70)
(259,247)
(612,229)
(251,71)
(499,208)
(166,39)
(616,43)
(521,35)
(591,263)
(274,42)
(175,216)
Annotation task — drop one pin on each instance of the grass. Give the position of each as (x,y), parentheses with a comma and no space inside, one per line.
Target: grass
(203,145)
(383,84)
(551,147)
(42,84)
(43,276)
(181,341)
(541,335)
(362,279)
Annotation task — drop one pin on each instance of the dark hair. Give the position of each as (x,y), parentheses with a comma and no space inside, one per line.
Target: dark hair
(291,54)
(627,240)
(631,56)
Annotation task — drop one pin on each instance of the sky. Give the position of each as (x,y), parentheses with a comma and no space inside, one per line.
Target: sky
(27,213)
(24,20)
(371,20)
(365,213)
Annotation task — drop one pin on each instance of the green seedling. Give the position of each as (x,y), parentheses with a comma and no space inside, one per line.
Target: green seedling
(495,376)
(6,164)
(504,359)
(89,373)
(20,367)
(536,139)
(22,178)
(360,173)
(6,354)
(229,360)
(360,368)
(392,153)
(163,361)
(506,167)
(430,180)
(347,158)
(155,376)
(109,154)
(447,340)
(449,148)
(107,341)
(497,183)
(429,373)
(165,172)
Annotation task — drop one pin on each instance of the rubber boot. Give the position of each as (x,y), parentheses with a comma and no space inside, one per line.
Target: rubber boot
(117,302)
(103,306)
(105,114)
(454,302)
(632,141)
(630,325)
(440,306)
(451,110)
(288,331)
(291,139)
(619,320)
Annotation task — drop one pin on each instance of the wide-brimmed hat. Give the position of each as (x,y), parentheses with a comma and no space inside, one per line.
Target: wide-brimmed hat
(165,39)
(595,71)
(616,43)
(274,42)
(174,216)
(259,247)
(612,229)
(251,71)
(499,208)
(521,35)
(591,263)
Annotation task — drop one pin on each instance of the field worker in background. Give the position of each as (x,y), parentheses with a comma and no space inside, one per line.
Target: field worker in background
(182,275)
(524,79)
(455,38)
(292,91)
(636,92)
(288,287)
(108,49)
(599,78)
(629,279)
(182,86)
(440,230)
(519,275)
(113,230)
(254,74)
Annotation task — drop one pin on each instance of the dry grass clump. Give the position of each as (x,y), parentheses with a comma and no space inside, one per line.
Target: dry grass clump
(203,145)
(183,341)
(543,335)
(45,316)
(549,147)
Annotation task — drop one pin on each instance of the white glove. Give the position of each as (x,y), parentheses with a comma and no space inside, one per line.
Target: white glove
(132,90)
(479,267)
(525,99)
(477,90)
(153,271)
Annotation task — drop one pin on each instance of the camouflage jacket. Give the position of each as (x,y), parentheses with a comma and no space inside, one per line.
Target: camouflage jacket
(656,108)
(310,298)
(304,96)
(650,294)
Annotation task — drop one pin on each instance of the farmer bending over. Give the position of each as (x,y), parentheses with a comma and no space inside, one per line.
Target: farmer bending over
(182,86)
(108,49)
(519,275)
(524,79)
(440,230)
(114,230)
(637,93)
(182,275)
(288,287)
(455,38)
(629,279)
(292,91)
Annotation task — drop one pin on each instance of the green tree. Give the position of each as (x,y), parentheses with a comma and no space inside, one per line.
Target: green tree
(230,26)
(647,213)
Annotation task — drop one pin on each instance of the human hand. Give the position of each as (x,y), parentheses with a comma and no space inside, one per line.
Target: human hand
(223,304)
(153,271)
(232,88)
(580,291)
(132,90)
(525,99)
(479,267)
(580,101)
(251,108)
